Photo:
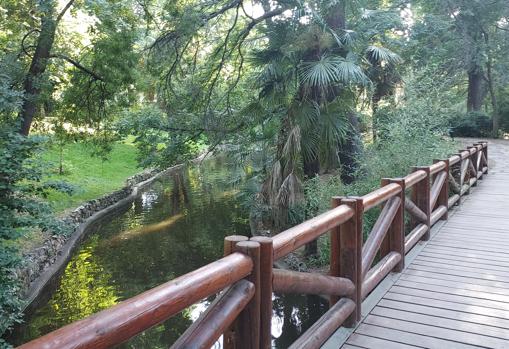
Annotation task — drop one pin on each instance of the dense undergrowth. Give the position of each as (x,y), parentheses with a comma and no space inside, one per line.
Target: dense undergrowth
(414,134)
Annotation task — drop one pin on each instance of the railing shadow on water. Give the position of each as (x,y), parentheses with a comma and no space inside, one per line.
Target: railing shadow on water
(245,278)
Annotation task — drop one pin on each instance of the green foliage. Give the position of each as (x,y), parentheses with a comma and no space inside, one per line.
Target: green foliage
(473,124)
(21,211)
(159,143)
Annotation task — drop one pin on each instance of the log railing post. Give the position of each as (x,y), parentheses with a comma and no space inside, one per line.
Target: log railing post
(346,253)
(229,247)
(266,274)
(421,198)
(395,238)
(247,326)
(443,197)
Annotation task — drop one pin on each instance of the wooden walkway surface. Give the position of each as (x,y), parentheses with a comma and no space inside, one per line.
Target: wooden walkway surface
(455,291)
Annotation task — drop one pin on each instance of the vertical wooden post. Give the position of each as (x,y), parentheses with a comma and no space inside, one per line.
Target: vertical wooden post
(421,198)
(334,248)
(457,168)
(247,325)
(443,197)
(349,258)
(266,262)
(395,238)
(229,247)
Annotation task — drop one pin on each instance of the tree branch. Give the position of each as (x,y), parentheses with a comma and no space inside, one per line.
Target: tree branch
(78,65)
(64,10)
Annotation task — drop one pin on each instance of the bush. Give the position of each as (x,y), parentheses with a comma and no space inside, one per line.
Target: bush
(21,211)
(411,134)
(473,124)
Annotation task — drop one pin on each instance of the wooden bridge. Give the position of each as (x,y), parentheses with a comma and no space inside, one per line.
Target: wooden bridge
(432,273)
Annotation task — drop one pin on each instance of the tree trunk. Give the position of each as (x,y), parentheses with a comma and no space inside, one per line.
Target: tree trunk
(475,90)
(350,151)
(33,79)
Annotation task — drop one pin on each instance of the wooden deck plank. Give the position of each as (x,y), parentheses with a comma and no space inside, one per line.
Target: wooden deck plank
(454,293)
(442,304)
(373,342)
(445,313)
(462,337)
(409,338)
(435,321)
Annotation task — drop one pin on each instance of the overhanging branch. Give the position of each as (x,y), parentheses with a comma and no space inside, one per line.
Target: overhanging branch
(78,65)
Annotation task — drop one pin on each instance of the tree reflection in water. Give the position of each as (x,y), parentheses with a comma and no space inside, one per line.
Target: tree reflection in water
(175,226)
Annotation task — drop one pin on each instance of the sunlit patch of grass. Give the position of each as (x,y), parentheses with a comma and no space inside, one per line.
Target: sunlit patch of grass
(90,176)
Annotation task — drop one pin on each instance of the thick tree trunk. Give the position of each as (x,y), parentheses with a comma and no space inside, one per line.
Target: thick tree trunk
(32,83)
(475,90)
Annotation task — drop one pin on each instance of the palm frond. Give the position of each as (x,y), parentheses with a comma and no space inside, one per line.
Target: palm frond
(330,69)
(381,54)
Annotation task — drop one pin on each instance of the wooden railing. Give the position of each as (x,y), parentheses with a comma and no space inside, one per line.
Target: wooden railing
(245,278)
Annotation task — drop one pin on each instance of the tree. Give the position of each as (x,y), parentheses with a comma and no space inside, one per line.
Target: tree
(47,49)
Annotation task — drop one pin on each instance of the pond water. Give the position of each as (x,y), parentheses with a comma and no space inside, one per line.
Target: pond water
(175,226)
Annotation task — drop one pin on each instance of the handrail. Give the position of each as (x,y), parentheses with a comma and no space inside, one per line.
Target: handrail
(117,324)
(247,267)
(380,195)
(296,237)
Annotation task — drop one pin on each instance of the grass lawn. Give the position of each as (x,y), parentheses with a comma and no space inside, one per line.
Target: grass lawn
(91,176)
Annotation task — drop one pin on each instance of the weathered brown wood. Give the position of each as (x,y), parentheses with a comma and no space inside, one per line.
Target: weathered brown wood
(293,238)
(439,212)
(454,185)
(380,195)
(335,247)
(396,232)
(436,189)
(117,324)
(286,281)
(211,324)
(350,254)
(453,200)
(415,211)
(247,325)
(437,167)
(229,248)
(321,330)
(443,196)
(377,235)
(464,177)
(421,197)
(379,272)
(266,277)
(414,178)
(414,236)
(230,242)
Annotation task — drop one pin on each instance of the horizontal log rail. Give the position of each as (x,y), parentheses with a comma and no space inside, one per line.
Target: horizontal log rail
(119,323)
(286,281)
(296,237)
(245,279)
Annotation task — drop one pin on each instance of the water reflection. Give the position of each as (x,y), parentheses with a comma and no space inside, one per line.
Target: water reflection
(175,226)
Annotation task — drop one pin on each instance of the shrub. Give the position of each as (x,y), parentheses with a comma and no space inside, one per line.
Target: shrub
(473,124)
(22,210)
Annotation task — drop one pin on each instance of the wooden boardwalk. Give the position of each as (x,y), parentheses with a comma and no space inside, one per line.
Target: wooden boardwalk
(454,293)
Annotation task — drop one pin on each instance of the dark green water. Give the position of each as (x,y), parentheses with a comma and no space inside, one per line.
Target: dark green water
(173,227)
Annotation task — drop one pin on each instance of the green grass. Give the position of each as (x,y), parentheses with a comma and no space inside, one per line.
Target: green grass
(90,176)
